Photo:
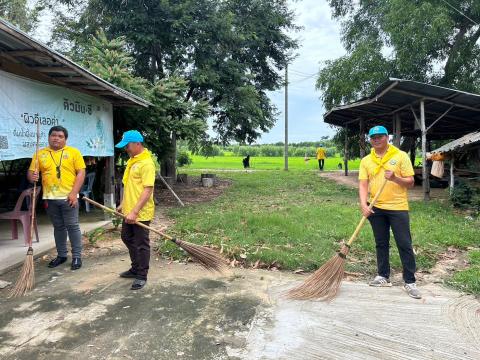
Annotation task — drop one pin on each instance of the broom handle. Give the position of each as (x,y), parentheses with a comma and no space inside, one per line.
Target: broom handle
(110,210)
(34,193)
(364,218)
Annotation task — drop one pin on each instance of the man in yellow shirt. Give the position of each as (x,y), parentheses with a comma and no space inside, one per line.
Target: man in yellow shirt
(391,209)
(63,172)
(321,156)
(137,205)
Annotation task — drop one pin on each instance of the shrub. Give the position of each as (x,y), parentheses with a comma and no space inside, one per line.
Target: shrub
(183,158)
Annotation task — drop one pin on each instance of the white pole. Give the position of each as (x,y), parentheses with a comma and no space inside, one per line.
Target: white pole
(286,118)
(425,177)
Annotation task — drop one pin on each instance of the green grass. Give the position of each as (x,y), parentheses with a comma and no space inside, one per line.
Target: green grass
(297,220)
(265,163)
(469,280)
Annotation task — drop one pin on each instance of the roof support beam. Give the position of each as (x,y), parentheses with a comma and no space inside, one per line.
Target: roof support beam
(436,99)
(439,118)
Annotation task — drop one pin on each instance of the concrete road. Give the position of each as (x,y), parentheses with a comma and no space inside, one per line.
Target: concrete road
(186,312)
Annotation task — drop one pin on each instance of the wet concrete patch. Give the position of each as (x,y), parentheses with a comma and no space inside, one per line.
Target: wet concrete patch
(184,318)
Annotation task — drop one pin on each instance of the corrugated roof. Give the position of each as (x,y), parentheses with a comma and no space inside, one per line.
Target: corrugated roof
(23,54)
(460,110)
(464,141)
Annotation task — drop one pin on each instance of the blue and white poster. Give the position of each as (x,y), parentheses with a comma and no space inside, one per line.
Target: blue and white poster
(24,102)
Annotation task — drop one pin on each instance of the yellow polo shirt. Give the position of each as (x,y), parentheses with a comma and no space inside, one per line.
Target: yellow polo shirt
(394,196)
(70,161)
(141,175)
(321,154)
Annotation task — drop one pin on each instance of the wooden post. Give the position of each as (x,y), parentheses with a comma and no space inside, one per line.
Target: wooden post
(362,139)
(452,178)
(109,194)
(425,177)
(345,153)
(413,150)
(397,130)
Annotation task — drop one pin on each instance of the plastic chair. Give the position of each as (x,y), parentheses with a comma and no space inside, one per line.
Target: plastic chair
(25,217)
(87,189)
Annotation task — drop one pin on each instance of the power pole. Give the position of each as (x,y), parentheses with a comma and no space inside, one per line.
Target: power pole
(286,118)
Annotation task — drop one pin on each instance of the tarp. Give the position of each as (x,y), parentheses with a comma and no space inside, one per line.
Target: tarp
(24,102)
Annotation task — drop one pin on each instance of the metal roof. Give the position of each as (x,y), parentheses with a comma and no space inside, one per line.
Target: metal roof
(23,55)
(464,142)
(459,110)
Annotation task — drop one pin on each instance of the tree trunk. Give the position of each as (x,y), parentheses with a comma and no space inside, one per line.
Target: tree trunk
(168,167)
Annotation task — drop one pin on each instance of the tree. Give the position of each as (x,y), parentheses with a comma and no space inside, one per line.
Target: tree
(20,14)
(228,52)
(422,40)
(168,113)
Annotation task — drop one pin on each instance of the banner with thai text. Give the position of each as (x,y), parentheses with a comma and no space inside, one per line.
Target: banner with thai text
(24,103)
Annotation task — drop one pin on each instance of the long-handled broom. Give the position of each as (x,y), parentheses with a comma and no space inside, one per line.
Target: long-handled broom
(324,283)
(26,279)
(208,258)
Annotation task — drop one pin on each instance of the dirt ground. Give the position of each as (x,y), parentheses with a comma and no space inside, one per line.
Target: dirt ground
(352,181)
(186,312)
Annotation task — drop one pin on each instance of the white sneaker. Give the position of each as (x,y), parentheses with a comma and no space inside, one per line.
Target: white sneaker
(412,291)
(380,281)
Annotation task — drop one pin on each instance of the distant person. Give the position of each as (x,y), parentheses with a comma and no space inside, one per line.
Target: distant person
(246,162)
(321,156)
(340,166)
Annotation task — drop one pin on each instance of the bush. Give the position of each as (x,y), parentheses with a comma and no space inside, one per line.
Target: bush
(211,151)
(183,158)
(461,196)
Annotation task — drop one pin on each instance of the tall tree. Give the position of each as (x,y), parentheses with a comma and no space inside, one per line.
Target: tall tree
(432,41)
(228,52)
(425,40)
(20,14)
(168,112)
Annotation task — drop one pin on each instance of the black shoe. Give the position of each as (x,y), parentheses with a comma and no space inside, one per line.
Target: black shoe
(138,284)
(129,274)
(57,261)
(76,264)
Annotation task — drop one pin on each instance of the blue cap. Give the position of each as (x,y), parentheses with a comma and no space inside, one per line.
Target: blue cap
(377,130)
(128,137)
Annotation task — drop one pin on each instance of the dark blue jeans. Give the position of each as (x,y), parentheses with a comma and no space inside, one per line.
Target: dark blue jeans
(65,222)
(397,220)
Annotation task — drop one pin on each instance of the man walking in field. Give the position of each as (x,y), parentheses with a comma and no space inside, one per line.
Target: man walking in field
(63,172)
(321,156)
(391,209)
(137,205)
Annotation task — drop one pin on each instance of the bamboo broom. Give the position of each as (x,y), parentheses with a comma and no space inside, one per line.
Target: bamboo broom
(324,283)
(26,279)
(206,257)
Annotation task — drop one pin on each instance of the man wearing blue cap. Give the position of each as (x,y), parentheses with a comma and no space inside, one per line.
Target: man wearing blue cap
(391,209)
(137,205)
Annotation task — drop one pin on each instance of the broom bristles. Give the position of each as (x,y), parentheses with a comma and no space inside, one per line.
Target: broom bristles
(26,278)
(324,283)
(206,257)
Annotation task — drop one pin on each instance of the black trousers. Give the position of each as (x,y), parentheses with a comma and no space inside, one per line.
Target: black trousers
(137,242)
(321,162)
(397,220)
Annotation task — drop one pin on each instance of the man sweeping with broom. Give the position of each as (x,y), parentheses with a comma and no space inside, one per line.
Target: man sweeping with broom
(391,208)
(137,205)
